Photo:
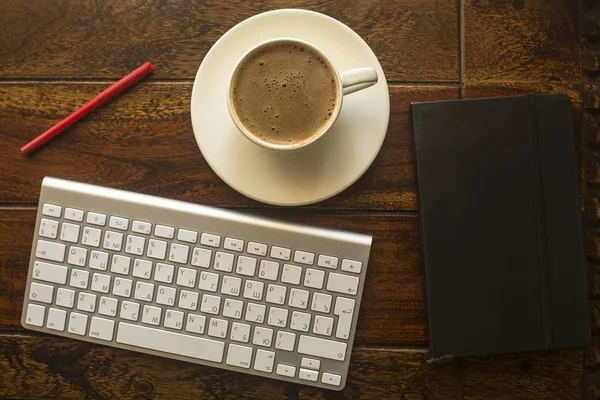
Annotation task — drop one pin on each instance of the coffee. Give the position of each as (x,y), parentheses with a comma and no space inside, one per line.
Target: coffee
(285,93)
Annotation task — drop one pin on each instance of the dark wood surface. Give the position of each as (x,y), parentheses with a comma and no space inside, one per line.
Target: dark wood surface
(56,54)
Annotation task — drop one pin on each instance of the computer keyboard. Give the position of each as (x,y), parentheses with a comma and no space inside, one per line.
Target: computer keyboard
(195,283)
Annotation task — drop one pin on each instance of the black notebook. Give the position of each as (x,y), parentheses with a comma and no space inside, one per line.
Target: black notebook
(501,229)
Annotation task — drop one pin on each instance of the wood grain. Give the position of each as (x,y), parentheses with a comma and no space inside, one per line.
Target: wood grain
(539,375)
(53,368)
(144,142)
(521,41)
(392,311)
(106,39)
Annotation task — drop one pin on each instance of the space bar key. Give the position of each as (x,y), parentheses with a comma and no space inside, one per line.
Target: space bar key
(170,342)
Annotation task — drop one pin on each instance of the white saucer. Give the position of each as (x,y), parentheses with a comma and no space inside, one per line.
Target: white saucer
(322,170)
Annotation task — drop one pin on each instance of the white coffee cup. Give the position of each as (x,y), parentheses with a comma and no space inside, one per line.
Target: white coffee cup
(348,82)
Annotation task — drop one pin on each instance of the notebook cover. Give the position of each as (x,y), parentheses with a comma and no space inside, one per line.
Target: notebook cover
(501,232)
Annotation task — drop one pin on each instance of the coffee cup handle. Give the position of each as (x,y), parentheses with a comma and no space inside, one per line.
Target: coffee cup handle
(358,79)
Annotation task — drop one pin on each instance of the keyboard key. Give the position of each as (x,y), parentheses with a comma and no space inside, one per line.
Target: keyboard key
(233,308)
(323,348)
(102,328)
(323,325)
(101,283)
(69,232)
(96,218)
(264,360)
(99,260)
(78,323)
(308,375)
(277,317)
(35,315)
(141,227)
(233,244)
(208,281)
(310,363)
(195,323)
(262,336)
(285,341)
(50,273)
(300,321)
(166,296)
(253,290)
(91,236)
(327,262)
(65,297)
(331,379)
(170,342)
(56,319)
(151,315)
(185,235)
(108,306)
(201,257)
(342,283)
(291,274)
(255,312)
(344,309)
(129,310)
(77,256)
(167,232)
(239,356)
(118,223)
(268,270)
(351,266)
(240,332)
(304,257)
(276,294)
(231,285)
(259,249)
(208,239)
(210,304)
(157,249)
(281,253)
(321,302)
(41,293)
(79,278)
(173,319)
(73,214)
(48,228)
(223,262)
(120,264)
(135,245)
(50,251)
(246,266)
(164,272)
(186,277)
(51,210)
(122,287)
(218,328)
(298,298)
(286,370)
(188,300)
(144,291)
(86,302)
(113,240)
(314,278)
(142,268)
(179,253)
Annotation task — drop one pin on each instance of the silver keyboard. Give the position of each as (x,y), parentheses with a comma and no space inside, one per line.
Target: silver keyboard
(195,283)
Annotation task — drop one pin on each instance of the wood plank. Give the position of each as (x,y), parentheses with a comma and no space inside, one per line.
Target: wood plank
(539,375)
(521,41)
(392,311)
(144,142)
(74,39)
(50,368)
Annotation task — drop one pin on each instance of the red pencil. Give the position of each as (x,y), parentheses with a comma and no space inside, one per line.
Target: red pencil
(100,99)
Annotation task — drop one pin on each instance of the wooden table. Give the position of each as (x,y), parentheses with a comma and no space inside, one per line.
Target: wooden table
(57,54)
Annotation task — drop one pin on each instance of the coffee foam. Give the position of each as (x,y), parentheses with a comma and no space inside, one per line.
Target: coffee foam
(284,93)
